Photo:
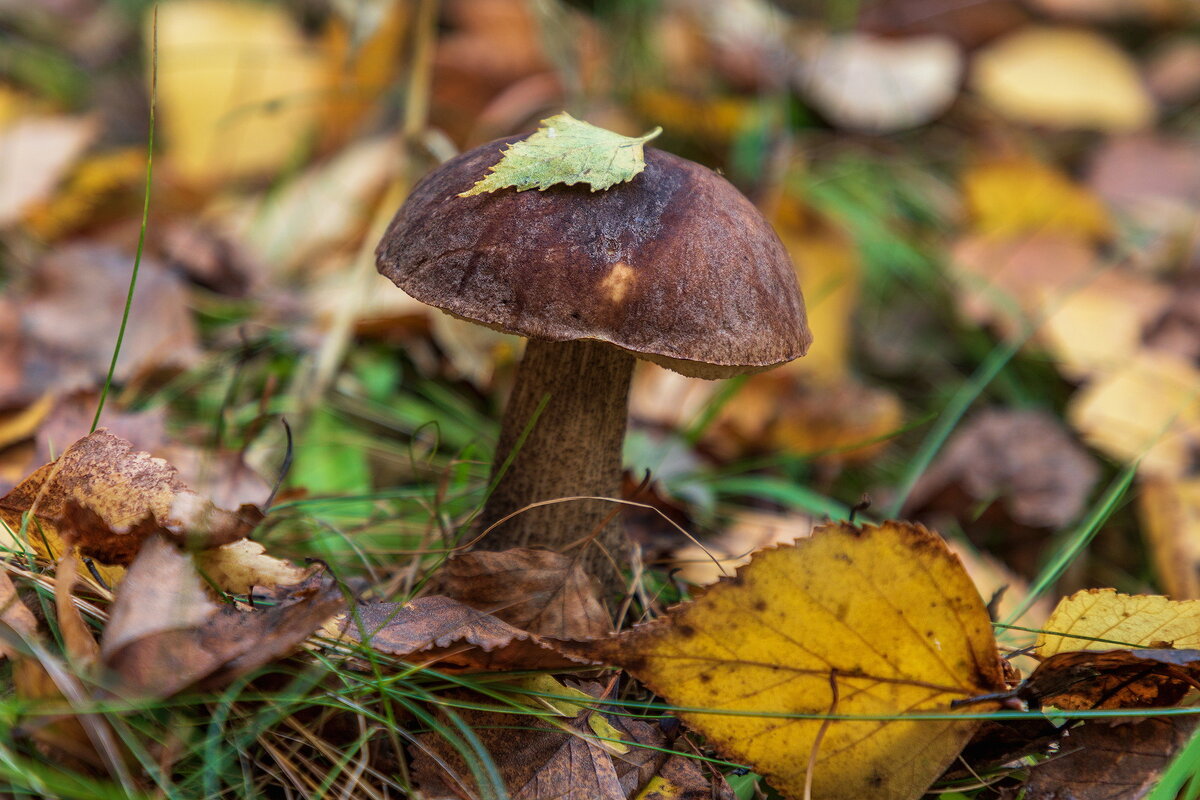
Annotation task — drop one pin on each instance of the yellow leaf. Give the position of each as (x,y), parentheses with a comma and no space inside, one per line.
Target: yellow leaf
(566,151)
(1170,514)
(243,566)
(1103,619)
(1063,78)
(108,184)
(1099,326)
(828,268)
(239,88)
(1023,196)
(886,614)
(360,65)
(1147,409)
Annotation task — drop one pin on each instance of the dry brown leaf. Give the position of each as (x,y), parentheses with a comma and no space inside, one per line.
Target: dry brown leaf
(162,592)
(16,620)
(873,84)
(1170,514)
(36,153)
(1025,459)
(1063,78)
(834,421)
(539,591)
(1002,281)
(1173,70)
(970,24)
(65,321)
(1110,760)
(540,761)
(448,635)
(78,642)
(1144,11)
(1148,409)
(112,498)
(165,635)
(1097,679)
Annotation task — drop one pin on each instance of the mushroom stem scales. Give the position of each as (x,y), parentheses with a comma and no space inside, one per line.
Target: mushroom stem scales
(572,448)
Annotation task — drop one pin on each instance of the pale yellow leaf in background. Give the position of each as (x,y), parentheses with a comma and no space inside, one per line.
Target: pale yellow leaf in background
(1170,515)
(239,88)
(1063,78)
(1098,327)
(877,84)
(1147,409)
(828,267)
(35,154)
(1120,620)
(566,151)
(748,532)
(886,613)
(1024,196)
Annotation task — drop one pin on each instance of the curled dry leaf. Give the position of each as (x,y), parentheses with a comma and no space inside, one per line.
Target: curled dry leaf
(449,635)
(109,498)
(165,635)
(1097,679)
(871,620)
(540,591)
(1026,459)
(1117,760)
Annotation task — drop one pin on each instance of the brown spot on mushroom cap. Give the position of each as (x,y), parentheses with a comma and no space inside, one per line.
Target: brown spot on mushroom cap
(675,266)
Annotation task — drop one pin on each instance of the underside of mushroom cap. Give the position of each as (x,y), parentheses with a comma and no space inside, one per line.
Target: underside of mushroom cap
(675,266)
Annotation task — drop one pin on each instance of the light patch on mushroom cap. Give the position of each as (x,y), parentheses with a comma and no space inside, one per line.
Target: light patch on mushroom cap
(617,282)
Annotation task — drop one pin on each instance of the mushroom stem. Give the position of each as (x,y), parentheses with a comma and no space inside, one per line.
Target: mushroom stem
(573,449)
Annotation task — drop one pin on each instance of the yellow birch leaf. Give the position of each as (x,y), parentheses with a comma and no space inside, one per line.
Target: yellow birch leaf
(239,88)
(1096,327)
(1103,619)
(567,151)
(856,621)
(1149,409)
(1170,514)
(1063,78)
(1023,196)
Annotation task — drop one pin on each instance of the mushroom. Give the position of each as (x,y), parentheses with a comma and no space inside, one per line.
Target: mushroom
(674,266)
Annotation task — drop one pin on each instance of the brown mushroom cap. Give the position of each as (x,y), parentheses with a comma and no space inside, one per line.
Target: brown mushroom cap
(675,266)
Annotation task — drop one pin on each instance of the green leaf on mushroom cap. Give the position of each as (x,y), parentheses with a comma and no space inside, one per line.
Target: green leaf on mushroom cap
(567,151)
